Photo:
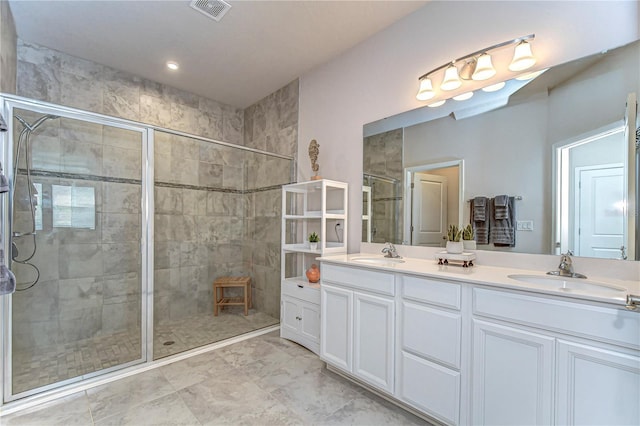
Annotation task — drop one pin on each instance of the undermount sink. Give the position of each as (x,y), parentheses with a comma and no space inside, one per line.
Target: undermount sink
(568,284)
(377,260)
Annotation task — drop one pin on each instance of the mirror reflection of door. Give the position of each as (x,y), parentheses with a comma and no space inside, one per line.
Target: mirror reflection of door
(428,209)
(593,200)
(599,211)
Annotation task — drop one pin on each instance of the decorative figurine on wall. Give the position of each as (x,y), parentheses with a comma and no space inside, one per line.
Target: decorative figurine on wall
(314,150)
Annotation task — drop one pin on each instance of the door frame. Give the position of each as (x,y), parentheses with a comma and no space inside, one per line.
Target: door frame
(408,173)
(561,182)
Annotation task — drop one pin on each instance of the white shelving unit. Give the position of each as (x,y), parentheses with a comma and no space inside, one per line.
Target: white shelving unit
(318,206)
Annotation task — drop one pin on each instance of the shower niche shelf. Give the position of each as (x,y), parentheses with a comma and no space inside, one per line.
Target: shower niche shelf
(318,206)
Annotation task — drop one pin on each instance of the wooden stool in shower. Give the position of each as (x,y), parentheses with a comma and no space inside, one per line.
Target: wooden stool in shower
(226,282)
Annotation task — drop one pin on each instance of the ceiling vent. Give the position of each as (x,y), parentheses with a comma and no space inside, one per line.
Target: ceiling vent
(214,9)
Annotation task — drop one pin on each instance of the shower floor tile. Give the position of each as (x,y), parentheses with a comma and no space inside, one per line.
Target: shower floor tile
(55,363)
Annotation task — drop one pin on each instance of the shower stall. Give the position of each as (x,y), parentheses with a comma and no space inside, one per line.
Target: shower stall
(115,231)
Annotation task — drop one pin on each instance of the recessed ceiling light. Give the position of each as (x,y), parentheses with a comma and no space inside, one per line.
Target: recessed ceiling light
(172,65)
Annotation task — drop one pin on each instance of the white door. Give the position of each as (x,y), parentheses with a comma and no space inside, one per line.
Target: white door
(374,340)
(512,376)
(597,386)
(600,214)
(429,210)
(336,330)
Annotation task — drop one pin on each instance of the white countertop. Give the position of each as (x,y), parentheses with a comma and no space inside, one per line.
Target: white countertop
(494,276)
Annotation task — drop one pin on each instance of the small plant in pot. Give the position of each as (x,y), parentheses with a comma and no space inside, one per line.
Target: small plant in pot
(454,245)
(313,241)
(467,238)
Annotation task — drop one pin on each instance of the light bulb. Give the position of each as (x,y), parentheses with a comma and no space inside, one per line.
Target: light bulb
(425,92)
(494,87)
(437,103)
(173,66)
(463,96)
(484,68)
(522,57)
(451,80)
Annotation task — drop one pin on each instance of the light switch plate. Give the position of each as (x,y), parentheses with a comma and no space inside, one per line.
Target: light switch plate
(524,225)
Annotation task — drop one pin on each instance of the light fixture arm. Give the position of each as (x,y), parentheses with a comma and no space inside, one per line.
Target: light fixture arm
(478,52)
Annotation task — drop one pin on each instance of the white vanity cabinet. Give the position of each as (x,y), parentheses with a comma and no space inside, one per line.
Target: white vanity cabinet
(531,354)
(358,323)
(429,347)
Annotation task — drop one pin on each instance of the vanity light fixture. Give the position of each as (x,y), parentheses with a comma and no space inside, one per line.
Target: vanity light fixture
(476,66)
(172,65)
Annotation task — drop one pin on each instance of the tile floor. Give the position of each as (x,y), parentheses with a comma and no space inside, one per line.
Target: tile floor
(265,380)
(46,365)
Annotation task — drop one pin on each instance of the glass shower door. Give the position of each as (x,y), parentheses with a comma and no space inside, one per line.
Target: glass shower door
(77,249)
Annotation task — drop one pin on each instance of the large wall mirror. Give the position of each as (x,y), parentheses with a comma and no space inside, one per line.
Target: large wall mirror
(562,146)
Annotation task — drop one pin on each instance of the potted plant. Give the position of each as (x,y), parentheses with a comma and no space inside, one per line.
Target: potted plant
(454,245)
(467,238)
(313,241)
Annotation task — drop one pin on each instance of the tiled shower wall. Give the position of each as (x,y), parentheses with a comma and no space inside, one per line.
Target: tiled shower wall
(7,49)
(383,159)
(89,281)
(199,234)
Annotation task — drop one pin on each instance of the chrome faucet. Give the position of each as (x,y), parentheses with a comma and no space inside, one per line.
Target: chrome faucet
(565,269)
(390,251)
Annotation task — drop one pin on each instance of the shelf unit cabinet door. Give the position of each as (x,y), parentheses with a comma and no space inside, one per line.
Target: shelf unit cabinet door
(336,331)
(374,340)
(597,386)
(512,376)
(310,321)
(290,314)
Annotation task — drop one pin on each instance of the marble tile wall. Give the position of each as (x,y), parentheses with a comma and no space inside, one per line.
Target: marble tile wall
(213,214)
(8,53)
(383,158)
(90,279)
(272,123)
(52,76)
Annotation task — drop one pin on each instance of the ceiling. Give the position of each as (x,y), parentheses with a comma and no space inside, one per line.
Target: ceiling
(256,48)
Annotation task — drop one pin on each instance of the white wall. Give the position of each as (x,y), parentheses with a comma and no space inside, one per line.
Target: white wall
(378,78)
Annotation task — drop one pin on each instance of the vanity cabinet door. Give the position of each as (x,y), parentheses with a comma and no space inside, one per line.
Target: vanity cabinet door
(512,376)
(290,314)
(310,321)
(374,338)
(597,386)
(336,330)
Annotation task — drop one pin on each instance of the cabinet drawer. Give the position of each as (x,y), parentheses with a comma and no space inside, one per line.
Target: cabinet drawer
(373,281)
(430,387)
(441,293)
(301,291)
(432,333)
(610,325)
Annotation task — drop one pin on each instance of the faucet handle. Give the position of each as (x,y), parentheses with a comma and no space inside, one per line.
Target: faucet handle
(568,253)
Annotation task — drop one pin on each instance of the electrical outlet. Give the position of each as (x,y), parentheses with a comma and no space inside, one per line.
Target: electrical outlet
(524,225)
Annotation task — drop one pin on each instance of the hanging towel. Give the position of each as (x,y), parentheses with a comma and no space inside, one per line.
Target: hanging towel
(479,209)
(501,204)
(502,231)
(481,227)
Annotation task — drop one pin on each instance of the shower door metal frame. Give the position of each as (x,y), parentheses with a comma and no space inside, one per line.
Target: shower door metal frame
(9,103)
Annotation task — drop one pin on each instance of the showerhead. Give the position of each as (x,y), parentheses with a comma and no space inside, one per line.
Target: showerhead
(32,127)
